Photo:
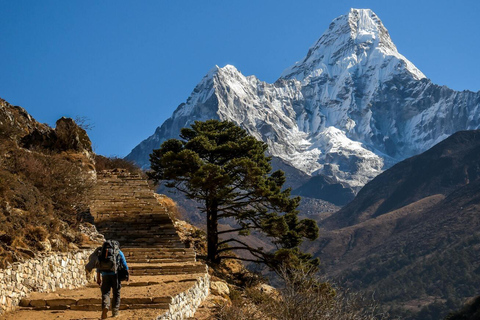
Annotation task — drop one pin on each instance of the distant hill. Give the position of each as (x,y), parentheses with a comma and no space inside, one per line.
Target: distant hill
(442,169)
(412,234)
(325,188)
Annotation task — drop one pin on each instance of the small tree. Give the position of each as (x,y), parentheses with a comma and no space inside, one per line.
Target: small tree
(225,169)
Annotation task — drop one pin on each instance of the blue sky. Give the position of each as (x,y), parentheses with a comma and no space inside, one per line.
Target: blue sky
(126,65)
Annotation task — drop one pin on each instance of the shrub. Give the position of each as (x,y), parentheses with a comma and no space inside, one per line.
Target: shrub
(303,297)
(109,163)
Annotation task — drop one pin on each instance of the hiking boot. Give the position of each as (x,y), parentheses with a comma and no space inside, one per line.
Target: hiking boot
(115,313)
(104,313)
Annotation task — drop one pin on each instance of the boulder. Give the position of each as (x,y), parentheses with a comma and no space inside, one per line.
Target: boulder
(71,137)
(219,288)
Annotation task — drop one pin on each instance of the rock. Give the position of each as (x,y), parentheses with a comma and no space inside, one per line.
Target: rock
(24,303)
(45,245)
(219,288)
(60,302)
(38,303)
(71,137)
(43,137)
(267,289)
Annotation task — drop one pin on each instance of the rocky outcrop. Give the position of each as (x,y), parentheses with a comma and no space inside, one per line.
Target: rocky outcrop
(15,122)
(67,136)
(71,137)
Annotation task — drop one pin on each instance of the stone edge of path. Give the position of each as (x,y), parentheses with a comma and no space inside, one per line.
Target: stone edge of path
(185,304)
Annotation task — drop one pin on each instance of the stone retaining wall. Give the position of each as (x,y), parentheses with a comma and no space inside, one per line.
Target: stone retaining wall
(184,304)
(44,273)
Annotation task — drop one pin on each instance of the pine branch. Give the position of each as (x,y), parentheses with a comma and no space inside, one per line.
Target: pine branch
(239,229)
(252,250)
(243,259)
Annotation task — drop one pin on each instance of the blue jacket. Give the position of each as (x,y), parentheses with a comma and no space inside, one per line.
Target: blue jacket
(121,258)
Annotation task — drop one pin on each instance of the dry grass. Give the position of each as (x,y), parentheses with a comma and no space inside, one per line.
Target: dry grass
(170,205)
(303,297)
(41,194)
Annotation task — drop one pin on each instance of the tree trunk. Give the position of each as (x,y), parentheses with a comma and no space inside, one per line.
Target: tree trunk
(212,232)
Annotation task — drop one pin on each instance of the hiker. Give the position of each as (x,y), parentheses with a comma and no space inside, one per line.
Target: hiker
(113,268)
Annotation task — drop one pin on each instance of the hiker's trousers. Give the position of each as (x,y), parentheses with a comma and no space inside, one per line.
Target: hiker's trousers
(110,282)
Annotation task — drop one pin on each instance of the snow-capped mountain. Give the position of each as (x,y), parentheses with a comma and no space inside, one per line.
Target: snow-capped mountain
(353,106)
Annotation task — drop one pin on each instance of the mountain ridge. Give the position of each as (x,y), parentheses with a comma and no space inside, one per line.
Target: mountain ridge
(348,110)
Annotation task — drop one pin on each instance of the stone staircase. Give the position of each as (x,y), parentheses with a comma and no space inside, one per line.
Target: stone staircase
(166,281)
(126,210)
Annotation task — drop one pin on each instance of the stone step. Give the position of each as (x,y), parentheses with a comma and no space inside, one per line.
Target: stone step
(132,225)
(119,217)
(141,237)
(138,229)
(172,245)
(159,295)
(161,234)
(160,260)
(158,254)
(127,223)
(159,245)
(125,229)
(138,217)
(167,271)
(95,304)
(148,281)
(138,269)
(124,197)
(154,255)
(132,212)
(127,203)
(166,251)
(157,257)
(69,314)
(106,197)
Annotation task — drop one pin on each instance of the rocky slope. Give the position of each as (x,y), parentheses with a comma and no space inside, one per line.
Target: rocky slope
(351,108)
(45,176)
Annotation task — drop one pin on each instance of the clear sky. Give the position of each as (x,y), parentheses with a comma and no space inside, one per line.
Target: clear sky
(126,65)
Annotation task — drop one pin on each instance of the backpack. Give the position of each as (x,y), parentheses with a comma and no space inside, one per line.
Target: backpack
(108,258)
(123,274)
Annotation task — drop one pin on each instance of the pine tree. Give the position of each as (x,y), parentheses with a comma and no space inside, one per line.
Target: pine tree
(225,169)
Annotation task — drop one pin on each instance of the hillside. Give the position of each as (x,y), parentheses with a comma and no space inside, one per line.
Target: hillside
(45,177)
(445,167)
(412,234)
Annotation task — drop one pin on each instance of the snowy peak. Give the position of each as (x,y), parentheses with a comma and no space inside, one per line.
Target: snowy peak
(351,107)
(366,28)
(353,43)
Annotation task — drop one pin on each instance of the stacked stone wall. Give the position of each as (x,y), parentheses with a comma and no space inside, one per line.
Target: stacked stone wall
(44,273)
(184,304)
